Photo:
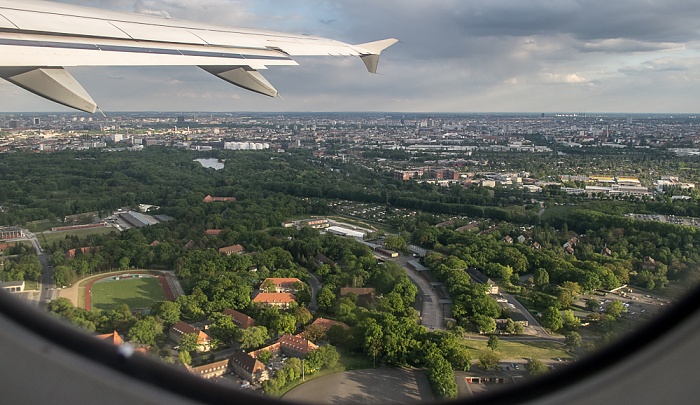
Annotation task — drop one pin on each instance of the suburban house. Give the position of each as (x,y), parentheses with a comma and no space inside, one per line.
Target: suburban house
(211,370)
(181,328)
(229,250)
(248,367)
(241,320)
(282,300)
(209,199)
(281,284)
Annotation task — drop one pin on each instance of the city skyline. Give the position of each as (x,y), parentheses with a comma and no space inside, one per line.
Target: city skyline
(500,56)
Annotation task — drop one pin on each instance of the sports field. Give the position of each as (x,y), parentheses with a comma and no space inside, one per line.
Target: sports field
(139,292)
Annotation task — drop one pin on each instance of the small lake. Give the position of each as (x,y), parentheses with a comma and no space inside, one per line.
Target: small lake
(211,163)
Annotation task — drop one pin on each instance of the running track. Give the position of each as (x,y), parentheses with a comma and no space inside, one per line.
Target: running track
(161,278)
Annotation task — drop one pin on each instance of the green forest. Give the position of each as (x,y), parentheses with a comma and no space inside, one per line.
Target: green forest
(608,250)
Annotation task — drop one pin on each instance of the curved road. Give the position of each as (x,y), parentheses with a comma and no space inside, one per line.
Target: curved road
(432,316)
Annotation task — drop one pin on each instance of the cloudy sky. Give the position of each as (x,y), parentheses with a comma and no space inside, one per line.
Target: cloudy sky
(454,56)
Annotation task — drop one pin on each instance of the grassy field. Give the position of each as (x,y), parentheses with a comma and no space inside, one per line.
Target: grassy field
(47,238)
(542,350)
(135,292)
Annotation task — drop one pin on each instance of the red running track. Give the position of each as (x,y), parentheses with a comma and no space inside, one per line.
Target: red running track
(161,278)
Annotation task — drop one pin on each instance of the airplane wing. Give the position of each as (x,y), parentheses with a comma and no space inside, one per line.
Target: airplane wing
(38,39)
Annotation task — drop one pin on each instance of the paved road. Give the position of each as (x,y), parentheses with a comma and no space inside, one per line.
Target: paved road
(47,287)
(530,318)
(315,286)
(432,316)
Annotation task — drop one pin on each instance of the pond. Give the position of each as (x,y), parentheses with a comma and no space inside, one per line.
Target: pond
(211,163)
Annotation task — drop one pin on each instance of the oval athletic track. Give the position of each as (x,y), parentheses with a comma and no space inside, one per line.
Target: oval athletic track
(161,279)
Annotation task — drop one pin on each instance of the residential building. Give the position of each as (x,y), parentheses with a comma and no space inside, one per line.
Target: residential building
(320,259)
(481,278)
(326,324)
(211,370)
(180,329)
(209,199)
(241,320)
(282,300)
(281,284)
(248,367)
(296,346)
(213,232)
(72,252)
(365,296)
(229,250)
(5,246)
(113,338)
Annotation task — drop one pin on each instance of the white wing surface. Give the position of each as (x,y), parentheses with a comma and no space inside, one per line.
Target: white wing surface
(39,38)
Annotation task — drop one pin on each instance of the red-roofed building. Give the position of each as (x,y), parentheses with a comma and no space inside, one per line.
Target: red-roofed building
(281,284)
(5,246)
(112,338)
(180,329)
(154,243)
(211,370)
(209,199)
(326,324)
(87,249)
(213,232)
(296,346)
(248,367)
(282,300)
(241,320)
(229,250)
(115,339)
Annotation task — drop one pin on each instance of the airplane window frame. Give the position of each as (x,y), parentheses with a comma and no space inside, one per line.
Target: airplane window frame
(179,382)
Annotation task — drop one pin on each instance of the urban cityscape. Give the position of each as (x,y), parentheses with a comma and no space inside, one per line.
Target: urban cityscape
(479,250)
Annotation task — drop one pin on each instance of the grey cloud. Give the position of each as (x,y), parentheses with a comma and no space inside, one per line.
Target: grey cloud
(454,55)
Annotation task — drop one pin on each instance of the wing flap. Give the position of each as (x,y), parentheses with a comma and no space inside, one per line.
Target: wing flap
(243,76)
(53,83)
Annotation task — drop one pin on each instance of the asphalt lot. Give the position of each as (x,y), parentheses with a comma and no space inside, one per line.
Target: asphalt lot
(373,386)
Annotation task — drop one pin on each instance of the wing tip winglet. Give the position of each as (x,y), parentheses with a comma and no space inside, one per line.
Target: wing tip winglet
(370,52)
(244,77)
